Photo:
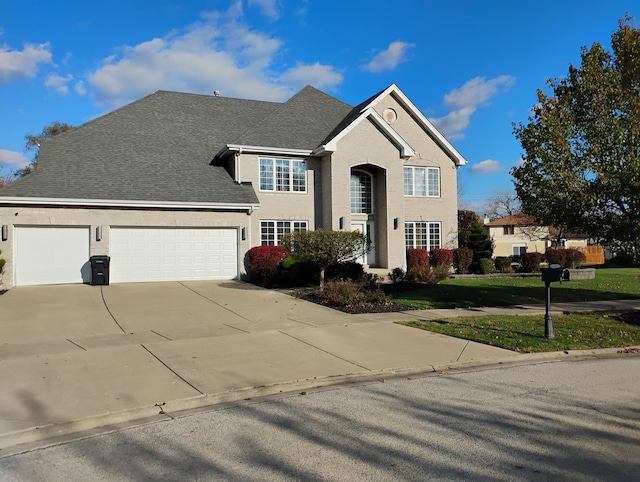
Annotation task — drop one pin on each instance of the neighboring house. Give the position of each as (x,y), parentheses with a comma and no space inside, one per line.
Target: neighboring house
(180,186)
(516,234)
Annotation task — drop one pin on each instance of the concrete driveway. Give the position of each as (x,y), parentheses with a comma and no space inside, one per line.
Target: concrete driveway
(76,357)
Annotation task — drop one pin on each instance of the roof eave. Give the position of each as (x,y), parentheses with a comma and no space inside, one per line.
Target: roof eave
(406,151)
(240,148)
(249,207)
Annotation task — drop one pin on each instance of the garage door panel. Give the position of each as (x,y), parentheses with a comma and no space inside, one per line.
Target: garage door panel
(48,255)
(173,254)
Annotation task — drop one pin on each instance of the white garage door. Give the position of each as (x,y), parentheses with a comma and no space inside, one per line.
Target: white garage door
(173,254)
(51,255)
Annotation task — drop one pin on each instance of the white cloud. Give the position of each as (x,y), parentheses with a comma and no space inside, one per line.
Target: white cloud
(389,58)
(269,8)
(464,101)
(221,54)
(519,163)
(80,88)
(452,124)
(318,75)
(58,83)
(11,158)
(486,167)
(477,91)
(22,64)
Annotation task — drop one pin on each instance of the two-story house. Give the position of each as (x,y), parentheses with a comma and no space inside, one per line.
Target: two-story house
(180,186)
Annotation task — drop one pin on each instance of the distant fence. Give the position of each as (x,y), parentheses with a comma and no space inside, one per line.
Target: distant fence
(594,254)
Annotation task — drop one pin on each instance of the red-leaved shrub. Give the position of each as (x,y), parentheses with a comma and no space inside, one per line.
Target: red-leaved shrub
(440,257)
(417,258)
(531,262)
(262,263)
(462,259)
(565,257)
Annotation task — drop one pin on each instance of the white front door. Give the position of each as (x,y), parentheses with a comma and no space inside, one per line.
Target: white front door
(366,228)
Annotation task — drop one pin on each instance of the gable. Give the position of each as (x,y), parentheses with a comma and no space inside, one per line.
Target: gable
(409,122)
(407,129)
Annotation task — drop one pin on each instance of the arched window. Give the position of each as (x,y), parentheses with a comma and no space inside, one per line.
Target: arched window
(361,193)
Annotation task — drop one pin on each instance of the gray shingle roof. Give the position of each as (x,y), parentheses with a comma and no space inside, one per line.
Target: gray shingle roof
(300,123)
(161,148)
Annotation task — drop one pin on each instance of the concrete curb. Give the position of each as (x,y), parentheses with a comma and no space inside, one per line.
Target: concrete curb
(54,434)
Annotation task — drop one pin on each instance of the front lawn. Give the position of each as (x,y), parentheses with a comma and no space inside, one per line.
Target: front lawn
(525,334)
(609,284)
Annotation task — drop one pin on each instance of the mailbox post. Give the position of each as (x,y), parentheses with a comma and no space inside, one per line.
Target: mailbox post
(549,275)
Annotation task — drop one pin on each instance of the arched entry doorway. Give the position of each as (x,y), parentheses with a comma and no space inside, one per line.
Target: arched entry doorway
(363,211)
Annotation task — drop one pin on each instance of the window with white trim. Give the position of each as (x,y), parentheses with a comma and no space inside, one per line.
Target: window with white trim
(283,175)
(422,181)
(424,235)
(361,193)
(271,232)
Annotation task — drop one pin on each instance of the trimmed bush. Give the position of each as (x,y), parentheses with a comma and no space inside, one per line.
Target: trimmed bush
(287,262)
(486,266)
(397,275)
(349,270)
(531,262)
(262,263)
(416,258)
(574,258)
(441,257)
(556,256)
(418,265)
(565,257)
(304,273)
(462,259)
(503,264)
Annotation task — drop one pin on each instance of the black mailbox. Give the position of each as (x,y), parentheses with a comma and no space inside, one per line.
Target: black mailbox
(555,272)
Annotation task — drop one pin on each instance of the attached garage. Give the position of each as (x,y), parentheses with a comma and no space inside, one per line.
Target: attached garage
(173,254)
(46,255)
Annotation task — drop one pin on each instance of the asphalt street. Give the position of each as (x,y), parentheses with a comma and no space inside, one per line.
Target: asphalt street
(553,420)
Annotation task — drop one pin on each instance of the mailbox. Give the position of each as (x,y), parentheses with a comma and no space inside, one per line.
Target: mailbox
(554,272)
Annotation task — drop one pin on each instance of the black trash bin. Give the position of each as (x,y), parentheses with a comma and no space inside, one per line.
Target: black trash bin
(99,270)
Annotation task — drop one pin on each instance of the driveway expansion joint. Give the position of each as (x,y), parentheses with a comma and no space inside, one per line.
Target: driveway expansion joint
(173,371)
(325,351)
(109,311)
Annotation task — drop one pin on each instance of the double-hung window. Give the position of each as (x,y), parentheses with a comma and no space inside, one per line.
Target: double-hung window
(283,175)
(271,232)
(422,181)
(424,235)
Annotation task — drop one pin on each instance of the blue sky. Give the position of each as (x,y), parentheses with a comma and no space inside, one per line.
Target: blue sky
(471,67)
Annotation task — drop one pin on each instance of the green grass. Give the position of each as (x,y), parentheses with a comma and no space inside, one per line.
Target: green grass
(525,334)
(609,284)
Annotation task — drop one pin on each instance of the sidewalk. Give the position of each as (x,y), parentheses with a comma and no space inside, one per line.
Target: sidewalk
(161,358)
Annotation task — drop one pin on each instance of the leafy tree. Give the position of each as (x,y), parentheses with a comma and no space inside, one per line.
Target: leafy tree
(581,169)
(325,247)
(32,143)
(472,235)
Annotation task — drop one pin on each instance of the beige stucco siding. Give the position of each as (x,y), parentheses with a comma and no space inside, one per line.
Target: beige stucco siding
(298,206)
(107,218)
(443,209)
(504,243)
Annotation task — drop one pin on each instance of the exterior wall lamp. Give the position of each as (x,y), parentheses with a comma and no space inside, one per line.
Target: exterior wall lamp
(396,222)
(98,233)
(5,232)
(342,223)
